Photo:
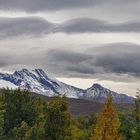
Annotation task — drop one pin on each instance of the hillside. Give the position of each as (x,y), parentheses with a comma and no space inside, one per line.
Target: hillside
(84,107)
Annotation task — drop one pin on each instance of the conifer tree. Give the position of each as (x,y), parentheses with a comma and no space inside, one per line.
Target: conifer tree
(57,124)
(19,107)
(107,123)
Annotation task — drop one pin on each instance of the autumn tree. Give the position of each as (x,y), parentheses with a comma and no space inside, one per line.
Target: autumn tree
(107,123)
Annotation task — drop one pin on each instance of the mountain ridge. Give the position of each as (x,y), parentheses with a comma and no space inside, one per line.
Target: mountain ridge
(39,82)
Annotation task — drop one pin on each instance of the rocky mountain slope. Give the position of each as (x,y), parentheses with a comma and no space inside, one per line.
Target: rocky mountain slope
(39,82)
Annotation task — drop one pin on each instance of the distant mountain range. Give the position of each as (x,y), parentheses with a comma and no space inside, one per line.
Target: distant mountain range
(39,82)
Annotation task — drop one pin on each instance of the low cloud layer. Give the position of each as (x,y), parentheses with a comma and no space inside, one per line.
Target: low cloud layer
(36,26)
(116,61)
(101,60)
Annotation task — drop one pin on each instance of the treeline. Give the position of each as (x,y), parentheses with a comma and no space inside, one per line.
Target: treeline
(24,117)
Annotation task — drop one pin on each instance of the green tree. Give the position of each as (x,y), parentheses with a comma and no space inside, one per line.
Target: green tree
(38,131)
(21,132)
(107,123)
(1,120)
(19,107)
(127,126)
(83,126)
(57,126)
(136,114)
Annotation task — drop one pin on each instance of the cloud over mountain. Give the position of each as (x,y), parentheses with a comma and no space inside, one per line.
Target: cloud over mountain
(119,58)
(115,58)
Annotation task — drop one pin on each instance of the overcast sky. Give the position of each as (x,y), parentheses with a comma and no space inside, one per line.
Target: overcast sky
(78,41)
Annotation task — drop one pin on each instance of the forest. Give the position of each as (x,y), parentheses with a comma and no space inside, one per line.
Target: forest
(26,117)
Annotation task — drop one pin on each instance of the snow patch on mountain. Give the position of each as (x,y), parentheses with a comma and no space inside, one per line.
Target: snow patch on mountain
(39,82)
(6,84)
(99,93)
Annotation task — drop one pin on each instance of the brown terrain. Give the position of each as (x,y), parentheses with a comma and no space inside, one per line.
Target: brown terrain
(84,107)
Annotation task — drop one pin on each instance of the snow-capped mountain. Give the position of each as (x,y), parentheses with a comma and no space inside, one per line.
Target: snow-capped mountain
(39,82)
(99,93)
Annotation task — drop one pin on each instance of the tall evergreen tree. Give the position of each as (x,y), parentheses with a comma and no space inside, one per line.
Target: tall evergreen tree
(19,107)
(57,119)
(108,123)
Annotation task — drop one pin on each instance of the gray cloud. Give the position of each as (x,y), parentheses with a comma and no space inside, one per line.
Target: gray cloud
(120,63)
(110,61)
(88,25)
(36,26)
(44,5)
(28,26)
(119,58)
(101,60)
(68,63)
(6,60)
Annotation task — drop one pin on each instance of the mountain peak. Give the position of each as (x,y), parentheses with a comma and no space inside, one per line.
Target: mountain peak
(39,70)
(39,82)
(22,71)
(97,86)
(25,70)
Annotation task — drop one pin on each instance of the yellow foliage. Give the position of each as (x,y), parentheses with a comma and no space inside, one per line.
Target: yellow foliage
(108,123)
